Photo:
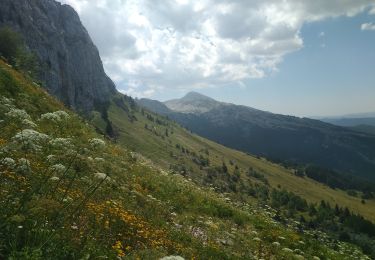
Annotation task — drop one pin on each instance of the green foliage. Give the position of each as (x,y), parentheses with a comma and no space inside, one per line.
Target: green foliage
(14,51)
(10,43)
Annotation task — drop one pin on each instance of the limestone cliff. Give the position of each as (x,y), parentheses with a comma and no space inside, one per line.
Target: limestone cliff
(71,66)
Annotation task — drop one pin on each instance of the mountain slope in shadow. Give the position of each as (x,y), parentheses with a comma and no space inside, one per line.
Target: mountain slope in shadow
(279,137)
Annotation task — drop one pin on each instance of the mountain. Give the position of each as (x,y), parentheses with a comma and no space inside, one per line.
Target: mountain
(193,102)
(71,68)
(348,121)
(369,129)
(154,189)
(278,137)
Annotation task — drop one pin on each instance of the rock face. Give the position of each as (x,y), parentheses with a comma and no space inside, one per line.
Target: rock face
(71,66)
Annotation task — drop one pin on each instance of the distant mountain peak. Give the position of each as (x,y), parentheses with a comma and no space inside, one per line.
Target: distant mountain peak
(193,102)
(192,96)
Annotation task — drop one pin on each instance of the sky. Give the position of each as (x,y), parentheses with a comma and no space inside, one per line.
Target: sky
(303,58)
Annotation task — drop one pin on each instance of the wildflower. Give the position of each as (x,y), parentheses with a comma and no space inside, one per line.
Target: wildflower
(257,239)
(50,158)
(62,114)
(8,162)
(277,244)
(54,178)
(287,250)
(119,249)
(172,257)
(316,258)
(55,117)
(20,227)
(97,143)
(282,238)
(23,165)
(61,143)
(30,139)
(58,168)
(6,102)
(299,257)
(19,114)
(101,176)
(99,159)
(74,227)
(28,123)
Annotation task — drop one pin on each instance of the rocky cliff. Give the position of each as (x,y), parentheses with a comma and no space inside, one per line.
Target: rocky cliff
(71,66)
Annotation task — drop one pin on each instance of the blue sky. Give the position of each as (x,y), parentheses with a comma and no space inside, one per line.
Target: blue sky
(304,58)
(333,74)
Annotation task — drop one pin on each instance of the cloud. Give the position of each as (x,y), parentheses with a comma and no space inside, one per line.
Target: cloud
(368,27)
(149,46)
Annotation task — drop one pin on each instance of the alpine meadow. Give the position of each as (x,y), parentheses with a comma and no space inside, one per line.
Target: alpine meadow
(143,129)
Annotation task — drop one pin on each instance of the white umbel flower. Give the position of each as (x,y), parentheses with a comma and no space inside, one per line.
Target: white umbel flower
(18,114)
(97,143)
(102,176)
(58,168)
(30,139)
(56,117)
(9,162)
(172,257)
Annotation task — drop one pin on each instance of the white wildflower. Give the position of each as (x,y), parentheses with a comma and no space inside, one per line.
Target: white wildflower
(299,257)
(277,244)
(99,159)
(287,250)
(23,165)
(67,199)
(56,117)
(101,176)
(316,258)
(282,238)
(18,114)
(6,102)
(58,168)
(54,178)
(30,139)
(20,227)
(172,257)
(28,123)
(9,162)
(97,143)
(62,114)
(50,158)
(257,239)
(61,143)
(74,227)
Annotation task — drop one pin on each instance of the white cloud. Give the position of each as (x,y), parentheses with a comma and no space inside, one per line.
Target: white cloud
(368,27)
(154,45)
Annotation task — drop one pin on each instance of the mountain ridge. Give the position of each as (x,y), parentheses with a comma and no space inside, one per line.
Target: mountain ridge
(280,137)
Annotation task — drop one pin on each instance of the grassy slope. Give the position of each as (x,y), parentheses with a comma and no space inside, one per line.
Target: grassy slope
(136,137)
(142,212)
